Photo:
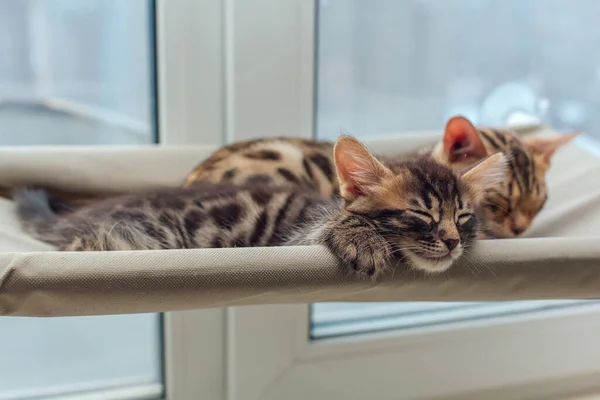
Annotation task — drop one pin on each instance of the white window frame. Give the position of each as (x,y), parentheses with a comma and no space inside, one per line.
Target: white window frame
(224,75)
(190,111)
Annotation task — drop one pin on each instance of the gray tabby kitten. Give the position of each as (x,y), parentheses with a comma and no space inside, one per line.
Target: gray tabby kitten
(414,210)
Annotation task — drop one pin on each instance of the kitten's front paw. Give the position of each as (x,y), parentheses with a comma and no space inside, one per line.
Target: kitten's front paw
(365,260)
(359,246)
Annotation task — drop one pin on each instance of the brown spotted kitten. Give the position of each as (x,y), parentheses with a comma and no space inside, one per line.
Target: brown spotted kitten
(417,210)
(509,207)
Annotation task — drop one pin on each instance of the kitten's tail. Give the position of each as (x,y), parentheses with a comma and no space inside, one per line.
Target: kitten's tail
(34,211)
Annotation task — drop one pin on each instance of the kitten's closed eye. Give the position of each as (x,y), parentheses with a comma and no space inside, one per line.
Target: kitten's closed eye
(424,222)
(464,218)
(422,213)
(419,225)
(499,208)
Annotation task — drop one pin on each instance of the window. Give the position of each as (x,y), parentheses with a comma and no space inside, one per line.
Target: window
(78,73)
(388,66)
(341,319)
(67,356)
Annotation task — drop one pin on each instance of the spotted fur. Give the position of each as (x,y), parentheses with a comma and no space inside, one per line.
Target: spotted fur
(509,207)
(279,161)
(417,210)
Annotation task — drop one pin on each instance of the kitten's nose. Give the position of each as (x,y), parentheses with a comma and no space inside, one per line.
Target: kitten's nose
(518,229)
(519,223)
(451,243)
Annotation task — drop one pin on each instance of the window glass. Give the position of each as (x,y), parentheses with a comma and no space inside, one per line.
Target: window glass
(387,66)
(76,72)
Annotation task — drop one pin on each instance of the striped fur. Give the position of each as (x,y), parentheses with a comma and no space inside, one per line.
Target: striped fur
(509,208)
(417,210)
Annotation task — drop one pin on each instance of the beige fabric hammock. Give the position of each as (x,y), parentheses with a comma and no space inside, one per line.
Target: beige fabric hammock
(561,259)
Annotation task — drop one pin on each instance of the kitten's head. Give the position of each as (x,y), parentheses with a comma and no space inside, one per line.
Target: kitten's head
(510,206)
(425,210)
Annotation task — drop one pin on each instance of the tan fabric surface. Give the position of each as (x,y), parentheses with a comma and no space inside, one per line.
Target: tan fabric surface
(563,261)
(50,284)
(100,168)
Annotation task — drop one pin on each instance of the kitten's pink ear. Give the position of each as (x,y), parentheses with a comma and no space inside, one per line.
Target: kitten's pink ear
(545,147)
(462,141)
(486,174)
(358,171)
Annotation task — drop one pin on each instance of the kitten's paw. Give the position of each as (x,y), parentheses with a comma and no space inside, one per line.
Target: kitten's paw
(359,246)
(366,262)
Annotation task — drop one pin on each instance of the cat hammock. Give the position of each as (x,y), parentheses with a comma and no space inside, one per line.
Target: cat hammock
(560,260)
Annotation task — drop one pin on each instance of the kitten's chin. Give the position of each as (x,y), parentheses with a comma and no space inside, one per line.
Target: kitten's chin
(432,265)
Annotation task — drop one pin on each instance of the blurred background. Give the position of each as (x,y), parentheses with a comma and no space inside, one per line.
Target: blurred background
(84,70)
(389,65)
(76,72)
